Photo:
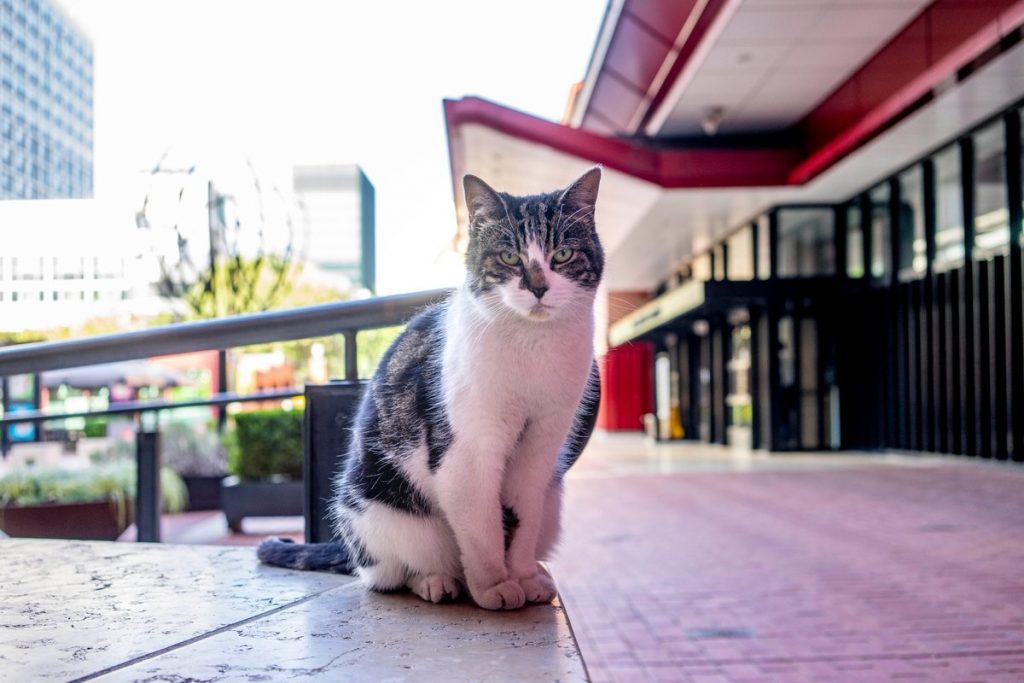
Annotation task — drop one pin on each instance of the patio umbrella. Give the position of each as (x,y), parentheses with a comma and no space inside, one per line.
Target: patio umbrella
(134,373)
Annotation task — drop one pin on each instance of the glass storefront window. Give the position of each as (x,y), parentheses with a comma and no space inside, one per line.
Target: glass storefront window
(854,240)
(881,261)
(991,215)
(912,261)
(949,218)
(806,242)
(740,254)
(764,248)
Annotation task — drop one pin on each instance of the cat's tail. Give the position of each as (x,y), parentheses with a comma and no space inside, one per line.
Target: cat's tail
(284,552)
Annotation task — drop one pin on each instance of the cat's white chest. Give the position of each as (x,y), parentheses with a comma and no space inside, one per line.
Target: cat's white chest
(521,367)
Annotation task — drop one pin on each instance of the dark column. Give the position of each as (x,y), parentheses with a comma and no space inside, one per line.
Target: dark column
(998,361)
(969,370)
(726,336)
(717,388)
(222,387)
(683,385)
(327,432)
(983,337)
(774,381)
(1015,290)
(706,413)
(351,356)
(929,338)
(5,444)
(693,343)
(957,376)
(899,436)
(755,377)
(147,497)
(942,367)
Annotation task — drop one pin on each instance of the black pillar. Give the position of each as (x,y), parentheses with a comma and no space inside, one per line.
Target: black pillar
(330,409)
(351,356)
(1016,283)
(147,491)
(5,444)
(222,387)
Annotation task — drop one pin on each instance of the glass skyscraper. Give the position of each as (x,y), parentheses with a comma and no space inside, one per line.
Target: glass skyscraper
(45,103)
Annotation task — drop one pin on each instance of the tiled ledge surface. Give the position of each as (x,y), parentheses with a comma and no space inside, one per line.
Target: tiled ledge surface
(125,612)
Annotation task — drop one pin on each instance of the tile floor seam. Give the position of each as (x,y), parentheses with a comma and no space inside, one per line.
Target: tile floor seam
(209,634)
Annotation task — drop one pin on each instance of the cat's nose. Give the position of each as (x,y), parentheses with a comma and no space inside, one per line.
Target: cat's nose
(538,291)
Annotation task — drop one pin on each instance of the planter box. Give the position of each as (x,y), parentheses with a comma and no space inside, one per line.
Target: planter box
(98,521)
(204,492)
(241,499)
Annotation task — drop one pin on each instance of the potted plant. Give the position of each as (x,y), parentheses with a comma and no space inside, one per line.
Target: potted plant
(265,458)
(96,503)
(196,453)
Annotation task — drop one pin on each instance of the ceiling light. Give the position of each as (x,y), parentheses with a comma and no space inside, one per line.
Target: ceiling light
(713,120)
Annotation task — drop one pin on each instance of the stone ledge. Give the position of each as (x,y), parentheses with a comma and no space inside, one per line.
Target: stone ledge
(126,612)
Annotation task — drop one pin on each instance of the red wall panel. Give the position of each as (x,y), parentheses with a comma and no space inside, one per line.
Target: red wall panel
(627,387)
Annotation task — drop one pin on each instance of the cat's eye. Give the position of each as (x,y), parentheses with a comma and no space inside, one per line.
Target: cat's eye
(509,258)
(562,255)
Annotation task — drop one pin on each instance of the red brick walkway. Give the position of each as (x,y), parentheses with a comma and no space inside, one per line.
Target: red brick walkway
(870,572)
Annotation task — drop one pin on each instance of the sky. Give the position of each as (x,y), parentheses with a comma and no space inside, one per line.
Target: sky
(311,81)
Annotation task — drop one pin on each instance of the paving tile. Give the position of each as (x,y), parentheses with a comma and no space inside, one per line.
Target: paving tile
(845,568)
(350,634)
(52,627)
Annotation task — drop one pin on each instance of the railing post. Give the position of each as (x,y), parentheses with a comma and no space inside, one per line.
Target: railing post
(147,486)
(351,361)
(222,387)
(5,399)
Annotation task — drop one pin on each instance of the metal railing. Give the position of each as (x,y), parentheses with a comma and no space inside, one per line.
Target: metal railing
(347,318)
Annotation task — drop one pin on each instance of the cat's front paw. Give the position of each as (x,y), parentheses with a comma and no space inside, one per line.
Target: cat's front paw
(435,587)
(505,595)
(538,588)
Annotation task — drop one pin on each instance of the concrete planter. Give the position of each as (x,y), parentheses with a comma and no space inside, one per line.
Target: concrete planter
(241,499)
(204,492)
(97,521)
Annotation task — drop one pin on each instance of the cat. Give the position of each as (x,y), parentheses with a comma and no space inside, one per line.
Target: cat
(453,479)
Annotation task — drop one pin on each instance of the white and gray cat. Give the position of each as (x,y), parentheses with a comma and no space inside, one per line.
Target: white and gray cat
(454,475)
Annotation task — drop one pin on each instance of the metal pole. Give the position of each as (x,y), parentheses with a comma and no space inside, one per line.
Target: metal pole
(351,363)
(5,444)
(147,496)
(222,387)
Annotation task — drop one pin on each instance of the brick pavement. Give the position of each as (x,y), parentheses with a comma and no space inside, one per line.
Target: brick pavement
(796,570)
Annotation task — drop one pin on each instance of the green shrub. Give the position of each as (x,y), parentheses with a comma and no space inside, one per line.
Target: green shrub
(113,481)
(95,428)
(267,443)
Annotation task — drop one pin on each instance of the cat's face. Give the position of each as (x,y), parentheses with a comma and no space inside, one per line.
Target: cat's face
(536,256)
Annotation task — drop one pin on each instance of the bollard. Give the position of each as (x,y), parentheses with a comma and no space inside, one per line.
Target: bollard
(147,491)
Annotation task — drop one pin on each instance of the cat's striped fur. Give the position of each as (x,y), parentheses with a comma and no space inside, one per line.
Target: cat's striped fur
(454,475)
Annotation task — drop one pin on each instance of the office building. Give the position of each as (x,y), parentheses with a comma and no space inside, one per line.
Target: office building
(336,204)
(46,91)
(65,262)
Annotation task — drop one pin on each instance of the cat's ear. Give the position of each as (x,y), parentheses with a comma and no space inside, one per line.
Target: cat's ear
(481,199)
(582,194)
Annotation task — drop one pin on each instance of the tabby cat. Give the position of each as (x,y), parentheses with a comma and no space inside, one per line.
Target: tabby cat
(453,479)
